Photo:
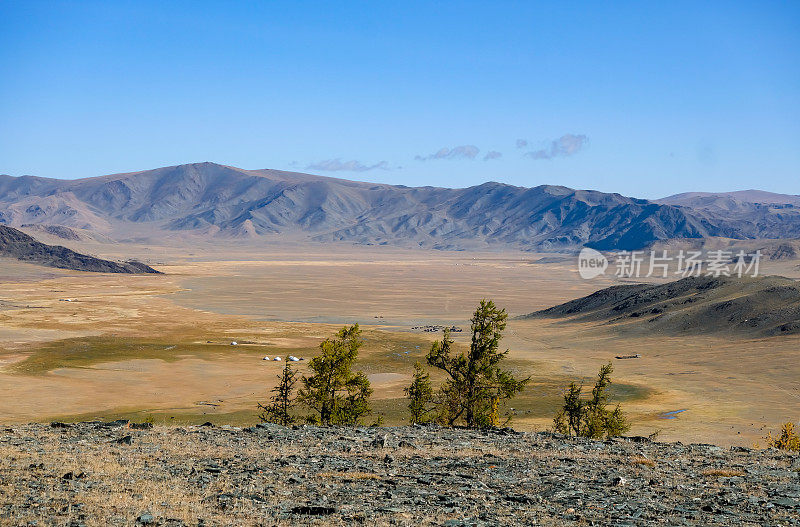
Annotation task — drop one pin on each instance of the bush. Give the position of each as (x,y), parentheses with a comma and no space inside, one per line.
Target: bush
(591,417)
(787,440)
(334,392)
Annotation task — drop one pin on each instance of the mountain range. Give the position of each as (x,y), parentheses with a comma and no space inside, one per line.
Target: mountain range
(211,200)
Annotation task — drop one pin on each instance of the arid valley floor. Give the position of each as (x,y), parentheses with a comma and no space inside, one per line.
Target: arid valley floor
(76,346)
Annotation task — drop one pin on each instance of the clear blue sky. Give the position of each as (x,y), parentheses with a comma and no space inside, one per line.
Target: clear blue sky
(647,99)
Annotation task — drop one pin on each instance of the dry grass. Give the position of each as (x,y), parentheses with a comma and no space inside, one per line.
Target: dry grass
(348,475)
(722,473)
(639,460)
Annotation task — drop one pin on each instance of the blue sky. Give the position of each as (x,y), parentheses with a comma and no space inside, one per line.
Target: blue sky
(645,99)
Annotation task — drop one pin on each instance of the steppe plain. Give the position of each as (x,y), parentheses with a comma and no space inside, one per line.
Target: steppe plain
(77,346)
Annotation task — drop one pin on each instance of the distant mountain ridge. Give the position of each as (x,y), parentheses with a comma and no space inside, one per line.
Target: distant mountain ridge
(215,200)
(16,244)
(754,213)
(701,199)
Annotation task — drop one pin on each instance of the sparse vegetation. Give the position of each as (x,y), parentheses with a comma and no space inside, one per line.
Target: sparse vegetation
(279,409)
(591,417)
(88,474)
(722,473)
(352,476)
(420,396)
(786,440)
(642,461)
(336,394)
(476,383)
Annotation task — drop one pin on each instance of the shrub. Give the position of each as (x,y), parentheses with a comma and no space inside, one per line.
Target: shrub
(787,440)
(591,417)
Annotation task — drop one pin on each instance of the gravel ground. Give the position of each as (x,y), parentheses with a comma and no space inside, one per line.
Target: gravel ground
(115,474)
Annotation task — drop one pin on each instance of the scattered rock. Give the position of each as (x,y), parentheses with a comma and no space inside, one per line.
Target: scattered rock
(145,519)
(119,423)
(314,510)
(342,476)
(381,442)
(141,426)
(619,481)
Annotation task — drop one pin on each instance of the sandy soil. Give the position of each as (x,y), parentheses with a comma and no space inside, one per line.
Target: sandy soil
(276,301)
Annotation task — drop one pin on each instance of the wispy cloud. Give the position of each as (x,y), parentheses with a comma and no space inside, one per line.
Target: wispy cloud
(492,155)
(565,146)
(336,165)
(522,143)
(457,152)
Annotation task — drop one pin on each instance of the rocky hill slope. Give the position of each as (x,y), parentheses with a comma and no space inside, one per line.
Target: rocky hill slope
(762,306)
(110,474)
(213,200)
(18,245)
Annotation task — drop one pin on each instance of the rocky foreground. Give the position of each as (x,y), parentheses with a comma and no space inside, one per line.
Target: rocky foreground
(124,474)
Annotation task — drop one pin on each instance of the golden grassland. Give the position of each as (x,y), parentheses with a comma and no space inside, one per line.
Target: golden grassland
(159,346)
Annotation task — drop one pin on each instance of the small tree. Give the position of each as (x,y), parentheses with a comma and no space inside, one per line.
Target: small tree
(420,395)
(591,417)
(476,383)
(334,392)
(568,420)
(280,406)
(787,440)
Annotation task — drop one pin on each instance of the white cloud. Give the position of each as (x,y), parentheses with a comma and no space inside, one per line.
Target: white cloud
(335,165)
(522,143)
(457,152)
(492,155)
(565,146)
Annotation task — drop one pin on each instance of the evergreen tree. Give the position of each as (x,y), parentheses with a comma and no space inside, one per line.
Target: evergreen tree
(591,418)
(476,383)
(568,420)
(420,395)
(280,406)
(334,392)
